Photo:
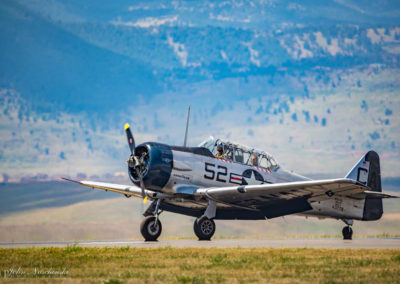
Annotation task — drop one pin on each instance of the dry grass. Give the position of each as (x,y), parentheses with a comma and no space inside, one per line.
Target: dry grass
(198,265)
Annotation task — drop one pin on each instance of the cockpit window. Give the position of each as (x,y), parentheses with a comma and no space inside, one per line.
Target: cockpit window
(264,162)
(246,158)
(238,155)
(228,151)
(209,144)
(213,149)
(273,163)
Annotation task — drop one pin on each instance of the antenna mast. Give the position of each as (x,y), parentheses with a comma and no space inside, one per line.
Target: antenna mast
(187,127)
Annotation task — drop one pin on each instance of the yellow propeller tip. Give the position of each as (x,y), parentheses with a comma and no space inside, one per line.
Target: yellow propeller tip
(126,126)
(145,200)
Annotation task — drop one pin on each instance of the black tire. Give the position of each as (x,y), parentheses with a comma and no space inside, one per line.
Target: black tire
(347,233)
(150,232)
(204,228)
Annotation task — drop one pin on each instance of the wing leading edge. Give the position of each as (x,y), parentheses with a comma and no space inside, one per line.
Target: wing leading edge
(130,190)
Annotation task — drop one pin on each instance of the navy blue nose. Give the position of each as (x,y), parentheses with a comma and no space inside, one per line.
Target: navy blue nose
(156,165)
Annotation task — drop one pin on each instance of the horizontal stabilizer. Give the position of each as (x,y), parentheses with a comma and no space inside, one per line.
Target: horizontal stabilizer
(374,194)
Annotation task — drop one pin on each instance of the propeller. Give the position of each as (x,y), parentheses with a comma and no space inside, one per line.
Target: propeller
(133,161)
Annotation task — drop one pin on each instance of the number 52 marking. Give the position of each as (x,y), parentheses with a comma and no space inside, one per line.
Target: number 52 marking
(221,172)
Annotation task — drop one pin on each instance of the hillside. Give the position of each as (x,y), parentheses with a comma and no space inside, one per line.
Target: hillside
(316,85)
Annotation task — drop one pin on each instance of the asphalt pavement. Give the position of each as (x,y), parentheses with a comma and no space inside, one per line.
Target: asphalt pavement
(367,243)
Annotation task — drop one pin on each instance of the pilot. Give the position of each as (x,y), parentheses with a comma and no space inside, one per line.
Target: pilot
(220,151)
(254,159)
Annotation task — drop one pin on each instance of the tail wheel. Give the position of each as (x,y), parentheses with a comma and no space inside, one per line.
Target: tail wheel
(150,228)
(204,228)
(347,233)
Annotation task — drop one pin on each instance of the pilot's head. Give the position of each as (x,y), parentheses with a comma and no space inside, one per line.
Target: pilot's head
(219,147)
(254,159)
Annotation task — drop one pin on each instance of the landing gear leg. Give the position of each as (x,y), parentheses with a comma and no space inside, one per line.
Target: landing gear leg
(204,226)
(151,226)
(347,231)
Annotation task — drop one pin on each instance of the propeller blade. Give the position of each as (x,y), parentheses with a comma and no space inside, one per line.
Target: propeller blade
(141,183)
(131,140)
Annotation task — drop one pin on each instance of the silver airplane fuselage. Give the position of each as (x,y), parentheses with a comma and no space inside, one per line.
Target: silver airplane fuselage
(189,170)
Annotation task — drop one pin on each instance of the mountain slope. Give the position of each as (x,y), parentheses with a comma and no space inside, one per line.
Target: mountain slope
(298,79)
(56,70)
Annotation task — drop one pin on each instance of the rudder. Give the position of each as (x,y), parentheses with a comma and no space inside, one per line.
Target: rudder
(367,171)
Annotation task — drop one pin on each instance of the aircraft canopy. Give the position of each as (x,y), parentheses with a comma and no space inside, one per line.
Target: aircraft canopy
(240,153)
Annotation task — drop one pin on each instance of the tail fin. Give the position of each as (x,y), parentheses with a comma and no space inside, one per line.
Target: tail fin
(368,171)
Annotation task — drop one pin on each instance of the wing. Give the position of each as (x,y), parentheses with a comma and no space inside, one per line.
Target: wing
(315,190)
(127,190)
(280,199)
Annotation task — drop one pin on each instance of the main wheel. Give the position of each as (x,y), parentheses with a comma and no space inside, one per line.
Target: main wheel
(150,229)
(347,233)
(204,228)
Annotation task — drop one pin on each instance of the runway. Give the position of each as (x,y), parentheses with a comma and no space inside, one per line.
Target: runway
(367,243)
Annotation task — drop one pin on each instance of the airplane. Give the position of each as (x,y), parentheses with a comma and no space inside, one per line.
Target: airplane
(222,180)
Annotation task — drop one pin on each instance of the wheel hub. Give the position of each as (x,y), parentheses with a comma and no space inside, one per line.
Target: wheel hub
(153,228)
(207,227)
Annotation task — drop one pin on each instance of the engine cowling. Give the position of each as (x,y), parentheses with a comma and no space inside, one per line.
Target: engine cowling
(156,162)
